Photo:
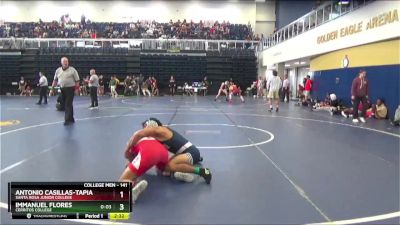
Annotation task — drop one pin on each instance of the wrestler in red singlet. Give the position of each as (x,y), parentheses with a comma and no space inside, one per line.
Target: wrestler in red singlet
(149,152)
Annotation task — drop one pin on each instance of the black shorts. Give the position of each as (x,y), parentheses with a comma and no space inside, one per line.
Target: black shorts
(194,153)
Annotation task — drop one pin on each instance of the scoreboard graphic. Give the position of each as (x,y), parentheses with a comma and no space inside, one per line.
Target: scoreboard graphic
(69,200)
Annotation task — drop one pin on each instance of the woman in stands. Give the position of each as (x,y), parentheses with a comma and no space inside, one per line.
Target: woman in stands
(223,89)
(172,85)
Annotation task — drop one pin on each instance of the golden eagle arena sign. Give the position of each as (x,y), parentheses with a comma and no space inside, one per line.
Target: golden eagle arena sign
(374,22)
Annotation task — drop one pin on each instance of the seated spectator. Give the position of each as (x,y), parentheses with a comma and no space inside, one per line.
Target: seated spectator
(188,90)
(378,111)
(396,120)
(302,101)
(331,104)
(205,84)
(65,28)
(348,112)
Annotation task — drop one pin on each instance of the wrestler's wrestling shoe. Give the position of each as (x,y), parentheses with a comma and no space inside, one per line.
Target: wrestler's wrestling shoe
(186,177)
(206,174)
(138,189)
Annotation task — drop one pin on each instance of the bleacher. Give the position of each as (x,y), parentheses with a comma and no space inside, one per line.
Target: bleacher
(10,71)
(186,65)
(106,61)
(238,64)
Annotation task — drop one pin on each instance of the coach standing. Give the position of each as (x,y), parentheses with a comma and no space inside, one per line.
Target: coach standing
(68,79)
(43,84)
(359,93)
(93,85)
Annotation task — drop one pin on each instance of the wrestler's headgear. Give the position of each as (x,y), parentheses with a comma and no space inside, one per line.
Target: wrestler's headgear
(151,122)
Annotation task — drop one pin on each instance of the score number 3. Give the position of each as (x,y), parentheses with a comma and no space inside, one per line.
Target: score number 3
(121,206)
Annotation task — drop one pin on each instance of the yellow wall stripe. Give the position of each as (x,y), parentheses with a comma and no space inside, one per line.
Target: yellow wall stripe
(375,54)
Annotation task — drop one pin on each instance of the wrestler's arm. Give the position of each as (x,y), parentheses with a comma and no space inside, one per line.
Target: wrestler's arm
(159,133)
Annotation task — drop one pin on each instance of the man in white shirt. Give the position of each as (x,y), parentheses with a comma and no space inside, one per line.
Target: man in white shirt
(285,89)
(274,84)
(44,85)
(93,85)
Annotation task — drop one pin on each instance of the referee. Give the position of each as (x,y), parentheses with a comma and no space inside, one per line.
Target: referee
(68,79)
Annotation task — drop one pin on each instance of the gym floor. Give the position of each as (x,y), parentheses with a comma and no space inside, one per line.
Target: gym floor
(290,167)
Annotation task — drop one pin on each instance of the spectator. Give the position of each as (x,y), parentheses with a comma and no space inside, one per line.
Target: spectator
(300,88)
(285,89)
(135,85)
(113,86)
(28,89)
(348,112)
(172,85)
(396,119)
(205,84)
(22,86)
(65,28)
(331,104)
(83,19)
(260,85)
(93,85)
(84,86)
(127,84)
(44,86)
(379,111)
(274,84)
(307,88)
(253,89)
(359,93)
(155,90)
(145,87)
(101,85)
